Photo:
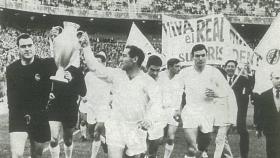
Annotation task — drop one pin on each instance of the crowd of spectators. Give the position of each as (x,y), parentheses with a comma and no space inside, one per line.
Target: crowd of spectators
(9,51)
(232,7)
(104,5)
(8,47)
(252,42)
(112,48)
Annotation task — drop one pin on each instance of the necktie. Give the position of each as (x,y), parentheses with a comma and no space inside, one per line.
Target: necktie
(230,81)
(277,97)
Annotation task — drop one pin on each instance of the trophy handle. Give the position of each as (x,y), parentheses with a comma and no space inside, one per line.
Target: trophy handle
(54,34)
(80,34)
(59,76)
(58,27)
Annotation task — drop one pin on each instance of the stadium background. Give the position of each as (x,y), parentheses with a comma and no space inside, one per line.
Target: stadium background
(108,24)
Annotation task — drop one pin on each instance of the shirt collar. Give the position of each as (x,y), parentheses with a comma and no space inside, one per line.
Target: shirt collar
(230,77)
(274,91)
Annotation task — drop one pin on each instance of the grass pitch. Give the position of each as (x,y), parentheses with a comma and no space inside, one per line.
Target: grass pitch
(82,149)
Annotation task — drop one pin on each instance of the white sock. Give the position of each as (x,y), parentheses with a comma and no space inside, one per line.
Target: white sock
(68,150)
(83,130)
(55,151)
(95,148)
(168,150)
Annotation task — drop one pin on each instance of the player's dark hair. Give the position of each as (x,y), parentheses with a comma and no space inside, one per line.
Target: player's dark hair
(231,61)
(103,59)
(171,62)
(198,47)
(154,60)
(22,36)
(136,52)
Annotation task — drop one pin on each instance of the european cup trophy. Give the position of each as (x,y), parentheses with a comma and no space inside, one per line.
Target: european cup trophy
(65,45)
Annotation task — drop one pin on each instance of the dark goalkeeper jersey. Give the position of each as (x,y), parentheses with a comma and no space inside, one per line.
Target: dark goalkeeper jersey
(28,86)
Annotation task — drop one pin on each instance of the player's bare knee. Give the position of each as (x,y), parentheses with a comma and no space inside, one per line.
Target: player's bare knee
(17,154)
(96,139)
(219,140)
(68,142)
(191,151)
(54,142)
(96,136)
(83,123)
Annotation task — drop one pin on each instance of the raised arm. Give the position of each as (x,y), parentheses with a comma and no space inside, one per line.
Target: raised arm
(99,69)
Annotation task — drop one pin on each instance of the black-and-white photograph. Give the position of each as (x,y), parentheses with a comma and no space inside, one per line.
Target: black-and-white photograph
(139,79)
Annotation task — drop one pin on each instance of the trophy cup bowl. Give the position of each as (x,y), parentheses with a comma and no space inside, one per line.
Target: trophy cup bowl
(64,46)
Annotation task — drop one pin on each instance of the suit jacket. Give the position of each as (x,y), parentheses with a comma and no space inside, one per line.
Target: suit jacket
(267,116)
(242,88)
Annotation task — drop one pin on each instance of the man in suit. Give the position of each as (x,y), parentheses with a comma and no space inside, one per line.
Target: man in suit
(242,87)
(268,116)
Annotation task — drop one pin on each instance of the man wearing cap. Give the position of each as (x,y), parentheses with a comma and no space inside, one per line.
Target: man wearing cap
(97,104)
(136,102)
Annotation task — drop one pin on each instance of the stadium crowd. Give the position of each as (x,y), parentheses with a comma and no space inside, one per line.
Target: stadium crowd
(158,99)
(233,7)
(110,52)
(111,47)
(8,48)
(9,51)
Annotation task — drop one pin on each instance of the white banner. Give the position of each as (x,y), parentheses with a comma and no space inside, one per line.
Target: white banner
(137,38)
(269,51)
(221,39)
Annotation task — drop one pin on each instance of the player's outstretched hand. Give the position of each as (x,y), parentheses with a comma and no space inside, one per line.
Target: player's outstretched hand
(84,40)
(144,124)
(55,31)
(210,93)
